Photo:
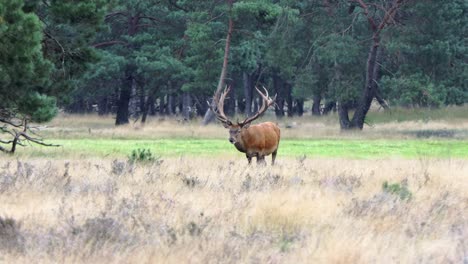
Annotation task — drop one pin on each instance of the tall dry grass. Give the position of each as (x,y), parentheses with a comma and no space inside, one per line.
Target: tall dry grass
(194,210)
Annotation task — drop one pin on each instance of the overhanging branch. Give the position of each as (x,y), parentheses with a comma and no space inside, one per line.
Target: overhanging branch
(20,132)
(109,43)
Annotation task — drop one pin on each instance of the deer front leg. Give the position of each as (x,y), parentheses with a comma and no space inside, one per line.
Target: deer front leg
(249,158)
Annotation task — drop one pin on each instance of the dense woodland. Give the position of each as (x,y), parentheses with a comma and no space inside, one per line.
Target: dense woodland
(136,58)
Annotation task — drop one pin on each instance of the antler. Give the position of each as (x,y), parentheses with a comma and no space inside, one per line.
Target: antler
(219,103)
(267,102)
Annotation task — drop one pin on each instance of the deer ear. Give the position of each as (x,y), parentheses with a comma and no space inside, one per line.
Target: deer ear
(246,125)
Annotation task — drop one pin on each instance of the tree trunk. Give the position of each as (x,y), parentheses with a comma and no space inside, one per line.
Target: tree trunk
(370,88)
(147,107)
(128,81)
(142,100)
(170,105)
(300,107)
(368,93)
(247,81)
(186,105)
(316,105)
(209,115)
(152,105)
(343,115)
(329,106)
(277,85)
(241,105)
(103,106)
(230,104)
(289,99)
(124,99)
(255,104)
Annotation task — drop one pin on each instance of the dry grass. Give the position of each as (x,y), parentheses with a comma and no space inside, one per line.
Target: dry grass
(93,126)
(193,210)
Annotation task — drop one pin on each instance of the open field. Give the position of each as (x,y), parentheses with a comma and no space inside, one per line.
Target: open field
(396,193)
(84,136)
(218,210)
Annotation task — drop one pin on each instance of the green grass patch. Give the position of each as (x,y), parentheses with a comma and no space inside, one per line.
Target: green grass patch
(348,148)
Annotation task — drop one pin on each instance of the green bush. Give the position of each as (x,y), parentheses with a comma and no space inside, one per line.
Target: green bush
(142,156)
(401,190)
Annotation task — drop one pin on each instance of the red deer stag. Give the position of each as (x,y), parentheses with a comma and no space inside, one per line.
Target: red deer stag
(254,140)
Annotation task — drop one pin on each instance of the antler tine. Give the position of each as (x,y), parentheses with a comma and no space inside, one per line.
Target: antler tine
(219,103)
(267,102)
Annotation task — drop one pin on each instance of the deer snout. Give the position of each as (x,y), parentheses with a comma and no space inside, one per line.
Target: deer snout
(232,140)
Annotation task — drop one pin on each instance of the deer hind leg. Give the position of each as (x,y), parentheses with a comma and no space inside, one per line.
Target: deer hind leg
(273,157)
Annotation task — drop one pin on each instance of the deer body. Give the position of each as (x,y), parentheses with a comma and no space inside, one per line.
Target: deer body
(257,140)
(254,140)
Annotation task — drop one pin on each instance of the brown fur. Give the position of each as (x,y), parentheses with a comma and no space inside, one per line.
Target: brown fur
(256,140)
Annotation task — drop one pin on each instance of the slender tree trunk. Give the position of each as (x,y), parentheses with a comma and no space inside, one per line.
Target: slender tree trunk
(209,115)
(368,93)
(180,103)
(147,108)
(230,103)
(241,105)
(255,104)
(247,81)
(289,99)
(316,105)
(128,82)
(300,106)
(124,99)
(162,106)
(370,88)
(343,115)
(151,105)
(170,105)
(103,108)
(278,87)
(329,106)
(186,105)
(142,99)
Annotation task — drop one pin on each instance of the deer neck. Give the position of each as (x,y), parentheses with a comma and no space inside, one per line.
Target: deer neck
(240,146)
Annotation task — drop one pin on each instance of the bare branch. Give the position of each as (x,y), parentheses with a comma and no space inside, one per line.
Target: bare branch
(110,43)
(114,14)
(9,122)
(37,140)
(18,131)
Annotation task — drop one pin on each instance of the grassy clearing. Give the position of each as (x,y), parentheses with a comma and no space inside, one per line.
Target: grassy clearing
(351,148)
(93,136)
(219,210)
